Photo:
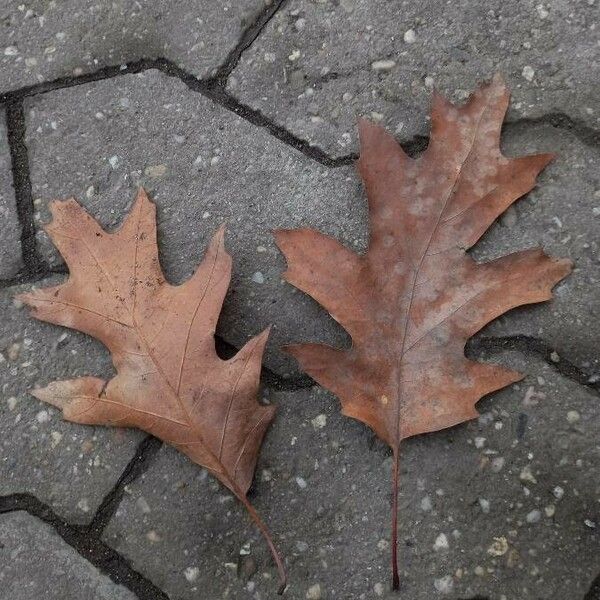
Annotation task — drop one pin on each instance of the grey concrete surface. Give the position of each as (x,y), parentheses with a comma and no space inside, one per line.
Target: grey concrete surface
(36,563)
(41,40)
(501,508)
(10,231)
(504,506)
(209,166)
(321,63)
(70,467)
(562,215)
(203,166)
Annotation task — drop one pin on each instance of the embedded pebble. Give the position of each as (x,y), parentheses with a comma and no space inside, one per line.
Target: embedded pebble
(497,464)
(499,547)
(155,171)
(444,585)
(301,483)
(528,73)
(43,416)
(573,416)
(314,592)
(258,277)
(441,542)
(191,574)
(378,589)
(534,516)
(484,505)
(301,546)
(527,475)
(410,36)
(13,352)
(426,504)
(319,421)
(383,65)
(558,492)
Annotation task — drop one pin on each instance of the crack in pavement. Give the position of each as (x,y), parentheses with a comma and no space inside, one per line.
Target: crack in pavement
(141,461)
(210,88)
(538,347)
(594,591)
(248,37)
(86,539)
(15,126)
(83,540)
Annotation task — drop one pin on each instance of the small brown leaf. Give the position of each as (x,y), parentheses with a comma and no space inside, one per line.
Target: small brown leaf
(414,299)
(170,381)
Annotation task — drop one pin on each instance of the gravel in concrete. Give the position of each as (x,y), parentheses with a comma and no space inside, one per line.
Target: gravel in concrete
(36,563)
(203,166)
(71,467)
(504,506)
(10,230)
(42,40)
(321,63)
(562,215)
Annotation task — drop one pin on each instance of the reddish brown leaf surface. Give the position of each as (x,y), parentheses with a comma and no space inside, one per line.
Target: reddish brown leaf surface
(413,300)
(170,381)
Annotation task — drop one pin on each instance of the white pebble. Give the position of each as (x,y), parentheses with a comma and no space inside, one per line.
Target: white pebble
(542,11)
(12,402)
(479,442)
(527,475)
(258,277)
(383,65)
(484,505)
(83,505)
(11,51)
(301,482)
(558,492)
(378,589)
(573,416)
(534,516)
(319,421)
(426,504)
(497,464)
(43,416)
(191,573)
(114,161)
(528,73)
(314,592)
(441,543)
(444,585)
(410,36)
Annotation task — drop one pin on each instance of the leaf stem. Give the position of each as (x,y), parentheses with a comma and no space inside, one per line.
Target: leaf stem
(267,535)
(395,477)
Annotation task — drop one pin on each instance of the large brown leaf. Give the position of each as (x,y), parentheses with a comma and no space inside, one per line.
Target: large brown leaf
(412,301)
(170,381)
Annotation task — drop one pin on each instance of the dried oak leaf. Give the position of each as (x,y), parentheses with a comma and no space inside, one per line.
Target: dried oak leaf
(170,381)
(413,300)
